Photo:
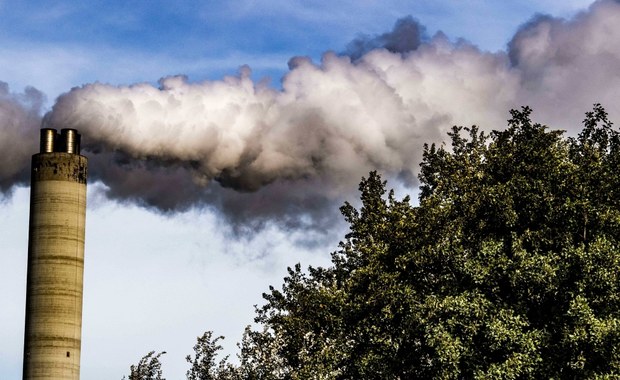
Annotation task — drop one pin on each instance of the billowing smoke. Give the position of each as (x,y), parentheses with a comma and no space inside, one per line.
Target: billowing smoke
(290,155)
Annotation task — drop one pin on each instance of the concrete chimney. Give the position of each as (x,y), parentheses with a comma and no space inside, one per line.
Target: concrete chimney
(52,340)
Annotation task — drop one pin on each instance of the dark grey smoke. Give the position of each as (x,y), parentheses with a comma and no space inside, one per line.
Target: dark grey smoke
(406,36)
(155,184)
(169,187)
(20,119)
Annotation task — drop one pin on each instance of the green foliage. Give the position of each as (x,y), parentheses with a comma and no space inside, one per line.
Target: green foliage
(508,269)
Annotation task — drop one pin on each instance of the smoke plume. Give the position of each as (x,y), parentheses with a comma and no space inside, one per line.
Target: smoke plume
(291,155)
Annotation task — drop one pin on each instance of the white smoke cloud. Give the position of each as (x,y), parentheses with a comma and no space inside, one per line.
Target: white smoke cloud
(329,125)
(257,153)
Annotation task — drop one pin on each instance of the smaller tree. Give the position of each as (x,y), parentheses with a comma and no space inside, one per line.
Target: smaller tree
(203,366)
(148,368)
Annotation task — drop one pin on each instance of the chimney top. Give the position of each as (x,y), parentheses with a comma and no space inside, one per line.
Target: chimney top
(68,141)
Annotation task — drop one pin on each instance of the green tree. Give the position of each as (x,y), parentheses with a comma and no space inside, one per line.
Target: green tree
(508,268)
(148,368)
(203,364)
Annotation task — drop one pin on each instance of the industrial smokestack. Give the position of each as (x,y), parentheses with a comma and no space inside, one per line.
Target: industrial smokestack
(52,339)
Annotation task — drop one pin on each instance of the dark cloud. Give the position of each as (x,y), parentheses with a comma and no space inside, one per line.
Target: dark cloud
(406,36)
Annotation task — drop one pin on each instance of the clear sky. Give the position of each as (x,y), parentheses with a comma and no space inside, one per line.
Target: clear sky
(156,280)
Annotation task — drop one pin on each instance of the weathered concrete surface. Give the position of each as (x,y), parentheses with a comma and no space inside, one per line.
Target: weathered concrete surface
(55,266)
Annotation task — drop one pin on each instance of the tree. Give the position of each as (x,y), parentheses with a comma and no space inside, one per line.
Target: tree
(203,365)
(508,268)
(148,368)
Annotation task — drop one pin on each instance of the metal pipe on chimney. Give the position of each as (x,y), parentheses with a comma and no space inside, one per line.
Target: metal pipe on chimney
(48,140)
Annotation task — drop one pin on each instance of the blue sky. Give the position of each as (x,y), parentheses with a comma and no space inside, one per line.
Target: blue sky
(155,281)
(70,43)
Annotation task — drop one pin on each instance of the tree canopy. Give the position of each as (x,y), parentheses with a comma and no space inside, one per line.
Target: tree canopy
(508,268)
